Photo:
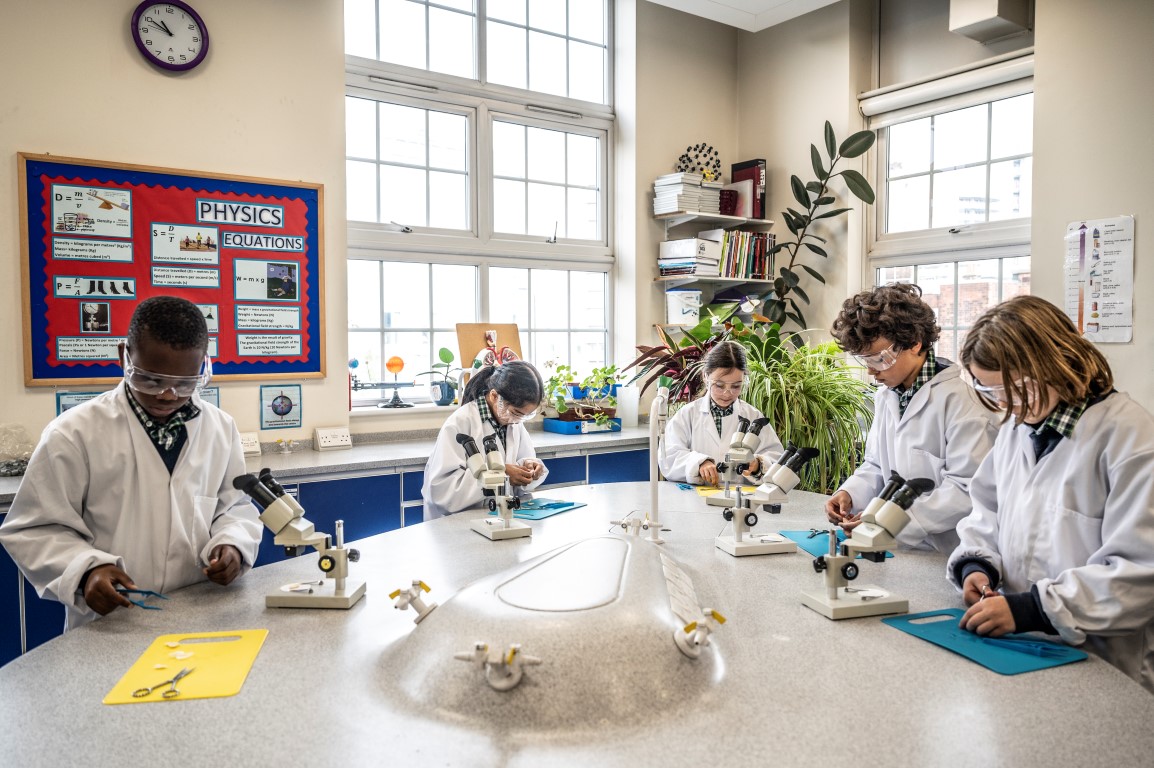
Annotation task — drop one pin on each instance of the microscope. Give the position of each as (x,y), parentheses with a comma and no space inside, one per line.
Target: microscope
(738,456)
(284,516)
(779,479)
(489,469)
(881,522)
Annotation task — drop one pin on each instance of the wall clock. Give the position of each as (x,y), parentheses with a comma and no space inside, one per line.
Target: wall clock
(170,35)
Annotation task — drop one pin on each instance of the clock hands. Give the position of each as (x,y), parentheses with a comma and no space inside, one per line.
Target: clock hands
(159,25)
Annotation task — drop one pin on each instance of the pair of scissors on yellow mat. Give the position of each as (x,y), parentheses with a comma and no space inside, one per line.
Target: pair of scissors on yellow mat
(171,693)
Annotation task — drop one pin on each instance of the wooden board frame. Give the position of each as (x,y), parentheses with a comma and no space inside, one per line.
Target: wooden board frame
(257,257)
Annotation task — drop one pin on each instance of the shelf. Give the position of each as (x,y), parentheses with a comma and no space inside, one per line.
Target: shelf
(719,283)
(678,218)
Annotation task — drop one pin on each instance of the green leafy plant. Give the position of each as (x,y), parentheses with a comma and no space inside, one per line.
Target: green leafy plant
(591,398)
(814,198)
(677,358)
(445,368)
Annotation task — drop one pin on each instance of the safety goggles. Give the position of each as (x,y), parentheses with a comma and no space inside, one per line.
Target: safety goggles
(721,387)
(511,414)
(149,383)
(998,393)
(882,361)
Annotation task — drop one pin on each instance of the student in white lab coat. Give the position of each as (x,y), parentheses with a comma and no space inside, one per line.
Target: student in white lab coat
(133,489)
(927,420)
(698,435)
(497,400)
(1061,538)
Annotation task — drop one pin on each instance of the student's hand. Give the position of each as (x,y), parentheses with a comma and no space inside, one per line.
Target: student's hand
(990,616)
(535,467)
(975,587)
(224,564)
(839,508)
(100,589)
(518,475)
(708,472)
(753,469)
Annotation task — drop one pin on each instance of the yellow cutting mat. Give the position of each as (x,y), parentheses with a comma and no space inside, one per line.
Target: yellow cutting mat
(220,662)
(709,490)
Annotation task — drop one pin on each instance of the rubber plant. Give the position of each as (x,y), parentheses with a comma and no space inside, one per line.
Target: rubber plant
(814,197)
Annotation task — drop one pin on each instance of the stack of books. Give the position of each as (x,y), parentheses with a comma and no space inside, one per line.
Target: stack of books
(699,255)
(675,192)
(710,197)
(745,255)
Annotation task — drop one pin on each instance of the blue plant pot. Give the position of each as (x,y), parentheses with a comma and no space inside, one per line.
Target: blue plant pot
(441,392)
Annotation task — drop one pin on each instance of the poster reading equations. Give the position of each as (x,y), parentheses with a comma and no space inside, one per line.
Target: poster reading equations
(1099,278)
(101,237)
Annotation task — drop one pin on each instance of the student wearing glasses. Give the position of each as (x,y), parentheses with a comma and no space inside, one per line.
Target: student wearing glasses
(927,421)
(498,400)
(1061,537)
(698,435)
(133,489)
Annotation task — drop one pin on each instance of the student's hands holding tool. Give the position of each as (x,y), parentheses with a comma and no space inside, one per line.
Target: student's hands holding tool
(839,511)
(989,614)
(224,564)
(708,472)
(518,475)
(535,467)
(100,589)
(753,471)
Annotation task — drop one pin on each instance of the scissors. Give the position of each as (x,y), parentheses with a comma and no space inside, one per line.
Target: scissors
(144,595)
(171,693)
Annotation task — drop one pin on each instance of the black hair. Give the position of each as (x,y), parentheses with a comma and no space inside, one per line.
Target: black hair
(724,355)
(896,312)
(517,382)
(169,320)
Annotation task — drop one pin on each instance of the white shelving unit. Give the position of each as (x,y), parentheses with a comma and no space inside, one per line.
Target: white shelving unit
(710,285)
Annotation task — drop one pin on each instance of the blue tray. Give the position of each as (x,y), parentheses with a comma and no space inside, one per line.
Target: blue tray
(818,545)
(537,509)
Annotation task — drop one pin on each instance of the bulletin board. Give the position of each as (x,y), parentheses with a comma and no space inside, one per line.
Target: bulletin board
(98,237)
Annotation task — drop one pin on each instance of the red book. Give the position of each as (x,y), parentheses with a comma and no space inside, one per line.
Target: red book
(754,170)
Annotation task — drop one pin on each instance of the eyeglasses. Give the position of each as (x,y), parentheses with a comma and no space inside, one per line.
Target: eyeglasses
(998,393)
(721,387)
(149,383)
(882,361)
(512,414)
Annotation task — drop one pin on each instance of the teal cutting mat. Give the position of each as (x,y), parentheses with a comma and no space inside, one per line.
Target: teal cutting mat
(819,544)
(1006,655)
(538,509)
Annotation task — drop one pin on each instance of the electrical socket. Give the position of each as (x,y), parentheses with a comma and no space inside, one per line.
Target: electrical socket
(331,438)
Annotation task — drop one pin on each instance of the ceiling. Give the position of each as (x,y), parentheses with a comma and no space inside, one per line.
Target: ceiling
(750,15)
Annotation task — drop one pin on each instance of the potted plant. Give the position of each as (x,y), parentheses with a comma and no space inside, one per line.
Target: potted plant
(444,389)
(679,359)
(591,400)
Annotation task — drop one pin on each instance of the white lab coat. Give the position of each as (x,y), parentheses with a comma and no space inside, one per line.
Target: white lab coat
(448,487)
(1079,525)
(97,492)
(691,438)
(944,435)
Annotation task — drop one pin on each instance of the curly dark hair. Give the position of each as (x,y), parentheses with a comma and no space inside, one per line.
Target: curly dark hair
(895,312)
(170,320)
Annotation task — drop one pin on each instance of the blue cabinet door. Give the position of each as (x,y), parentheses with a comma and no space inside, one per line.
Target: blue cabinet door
(43,619)
(619,466)
(564,470)
(10,620)
(368,505)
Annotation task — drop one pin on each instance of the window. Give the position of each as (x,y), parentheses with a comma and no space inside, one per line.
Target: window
(478,145)
(955,194)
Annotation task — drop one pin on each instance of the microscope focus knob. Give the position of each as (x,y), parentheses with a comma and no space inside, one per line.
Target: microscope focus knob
(492,504)
(727,514)
(819,564)
(327,563)
(354,555)
(850,571)
(750,519)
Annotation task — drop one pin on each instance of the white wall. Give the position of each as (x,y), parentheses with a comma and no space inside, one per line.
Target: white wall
(268,102)
(1093,107)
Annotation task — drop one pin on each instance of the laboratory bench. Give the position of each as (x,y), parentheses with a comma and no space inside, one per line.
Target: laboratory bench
(373,487)
(779,684)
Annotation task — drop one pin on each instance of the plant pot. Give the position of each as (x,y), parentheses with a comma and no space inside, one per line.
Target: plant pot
(441,392)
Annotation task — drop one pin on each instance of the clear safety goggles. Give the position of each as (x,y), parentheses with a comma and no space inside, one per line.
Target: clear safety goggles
(149,383)
(721,387)
(997,392)
(882,361)
(511,414)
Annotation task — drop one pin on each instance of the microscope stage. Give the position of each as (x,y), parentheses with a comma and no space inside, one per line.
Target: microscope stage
(851,605)
(493,528)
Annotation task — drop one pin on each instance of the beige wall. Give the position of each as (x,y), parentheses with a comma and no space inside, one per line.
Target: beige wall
(1093,106)
(75,85)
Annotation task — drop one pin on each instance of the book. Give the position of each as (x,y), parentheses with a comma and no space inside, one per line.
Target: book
(754,170)
(744,191)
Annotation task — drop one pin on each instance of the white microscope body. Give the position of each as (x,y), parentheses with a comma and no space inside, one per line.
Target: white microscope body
(489,469)
(738,456)
(779,479)
(881,522)
(284,516)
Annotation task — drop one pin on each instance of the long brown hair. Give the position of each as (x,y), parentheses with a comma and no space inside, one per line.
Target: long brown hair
(1028,337)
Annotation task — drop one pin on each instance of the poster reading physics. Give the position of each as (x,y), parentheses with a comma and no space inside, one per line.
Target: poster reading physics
(100,237)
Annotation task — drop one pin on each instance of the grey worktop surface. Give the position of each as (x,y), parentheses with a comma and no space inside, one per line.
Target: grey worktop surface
(792,688)
(398,455)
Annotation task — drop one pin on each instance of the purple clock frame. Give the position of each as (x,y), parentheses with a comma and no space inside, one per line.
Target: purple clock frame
(135,27)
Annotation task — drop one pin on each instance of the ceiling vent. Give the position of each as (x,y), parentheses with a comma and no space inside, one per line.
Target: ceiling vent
(989,20)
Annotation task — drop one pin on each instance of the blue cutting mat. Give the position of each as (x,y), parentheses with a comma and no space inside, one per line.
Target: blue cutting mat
(538,509)
(1006,655)
(819,544)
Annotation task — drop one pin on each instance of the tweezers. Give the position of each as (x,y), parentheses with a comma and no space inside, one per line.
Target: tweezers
(1032,647)
(144,595)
